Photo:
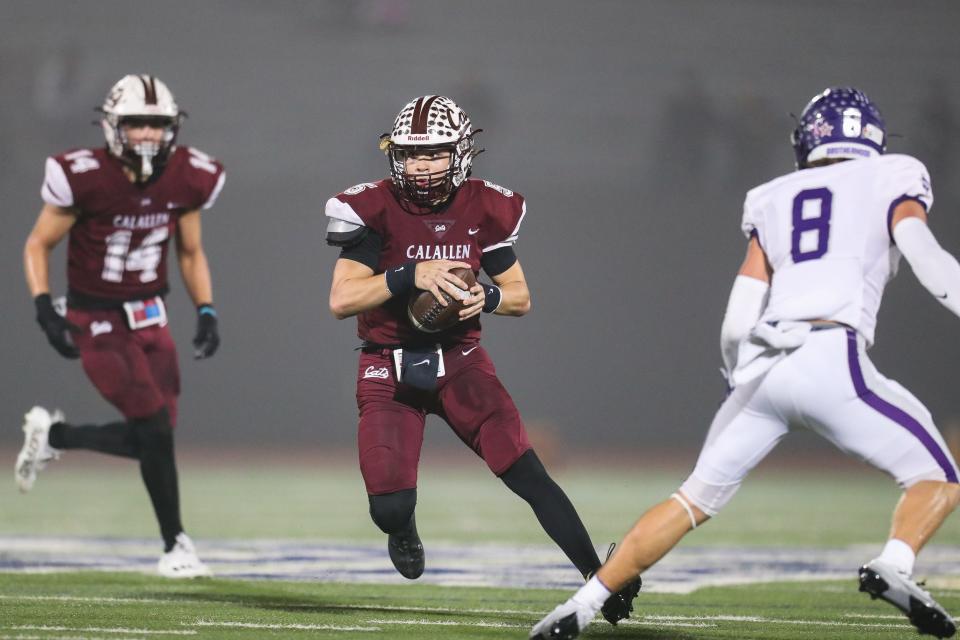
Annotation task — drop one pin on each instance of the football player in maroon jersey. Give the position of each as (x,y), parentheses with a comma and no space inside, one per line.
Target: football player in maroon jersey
(406,233)
(119,205)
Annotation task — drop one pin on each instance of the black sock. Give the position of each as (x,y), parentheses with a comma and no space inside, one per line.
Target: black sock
(158,469)
(528,479)
(116,438)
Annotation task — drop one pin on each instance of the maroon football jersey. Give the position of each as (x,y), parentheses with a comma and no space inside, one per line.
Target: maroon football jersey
(481,217)
(118,245)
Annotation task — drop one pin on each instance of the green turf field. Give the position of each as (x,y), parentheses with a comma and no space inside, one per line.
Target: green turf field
(84,606)
(460,504)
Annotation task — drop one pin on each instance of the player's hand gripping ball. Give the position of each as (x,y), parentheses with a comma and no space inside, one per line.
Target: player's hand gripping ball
(428,315)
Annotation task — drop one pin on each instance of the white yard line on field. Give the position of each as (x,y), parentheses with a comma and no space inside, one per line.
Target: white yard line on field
(152,632)
(766,620)
(408,609)
(450,623)
(275,626)
(102,600)
(21,636)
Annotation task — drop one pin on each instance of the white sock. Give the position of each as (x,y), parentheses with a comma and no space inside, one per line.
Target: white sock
(899,554)
(593,594)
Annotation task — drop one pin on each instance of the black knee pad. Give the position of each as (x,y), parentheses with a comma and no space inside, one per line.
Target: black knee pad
(154,433)
(392,511)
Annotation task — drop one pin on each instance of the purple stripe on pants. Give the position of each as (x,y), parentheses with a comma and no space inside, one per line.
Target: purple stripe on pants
(896,414)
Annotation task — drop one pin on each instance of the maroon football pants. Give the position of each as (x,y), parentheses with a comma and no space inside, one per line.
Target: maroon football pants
(469,397)
(136,371)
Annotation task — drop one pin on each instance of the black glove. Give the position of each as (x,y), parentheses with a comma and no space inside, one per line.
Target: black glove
(207,340)
(57,328)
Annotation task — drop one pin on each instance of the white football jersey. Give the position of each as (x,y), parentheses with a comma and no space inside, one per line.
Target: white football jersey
(826,234)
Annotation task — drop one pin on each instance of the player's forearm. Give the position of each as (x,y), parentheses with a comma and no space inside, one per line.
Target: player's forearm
(351,296)
(196,277)
(936,269)
(744,307)
(514,299)
(36,266)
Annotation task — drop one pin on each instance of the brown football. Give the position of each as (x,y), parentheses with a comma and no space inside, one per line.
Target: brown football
(428,315)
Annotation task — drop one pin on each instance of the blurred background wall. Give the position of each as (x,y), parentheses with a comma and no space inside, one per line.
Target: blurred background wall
(633,128)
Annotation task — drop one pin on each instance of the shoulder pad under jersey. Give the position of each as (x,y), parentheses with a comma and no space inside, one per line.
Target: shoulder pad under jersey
(341,233)
(904,176)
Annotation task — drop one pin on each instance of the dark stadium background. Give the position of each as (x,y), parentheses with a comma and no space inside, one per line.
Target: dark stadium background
(633,129)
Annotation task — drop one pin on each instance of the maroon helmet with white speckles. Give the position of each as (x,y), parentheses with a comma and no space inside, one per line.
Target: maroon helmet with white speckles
(430,124)
(141,100)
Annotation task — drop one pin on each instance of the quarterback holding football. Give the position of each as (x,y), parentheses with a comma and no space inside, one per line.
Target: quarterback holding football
(405,235)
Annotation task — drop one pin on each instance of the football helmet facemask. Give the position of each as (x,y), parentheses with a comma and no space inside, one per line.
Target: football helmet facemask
(841,123)
(429,125)
(140,100)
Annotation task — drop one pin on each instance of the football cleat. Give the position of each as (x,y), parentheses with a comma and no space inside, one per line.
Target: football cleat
(563,623)
(619,605)
(882,580)
(36,451)
(406,551)
(182,561)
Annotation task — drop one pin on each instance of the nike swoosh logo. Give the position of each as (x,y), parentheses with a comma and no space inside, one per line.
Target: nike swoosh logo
(398,269)
(467,352)
(943,297)
(417,364)
(473,232)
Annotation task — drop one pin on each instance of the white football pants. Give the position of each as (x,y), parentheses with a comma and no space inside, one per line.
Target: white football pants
(830,386)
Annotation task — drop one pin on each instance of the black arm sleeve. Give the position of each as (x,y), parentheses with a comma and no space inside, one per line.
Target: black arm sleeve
(367,252)
(497,261)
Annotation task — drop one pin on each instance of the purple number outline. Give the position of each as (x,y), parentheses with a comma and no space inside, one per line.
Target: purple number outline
(821,223)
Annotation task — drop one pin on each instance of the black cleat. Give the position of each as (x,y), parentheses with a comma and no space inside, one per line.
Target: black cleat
(564,628)
(406,551)
(563,623)
(619,606)
(881,580)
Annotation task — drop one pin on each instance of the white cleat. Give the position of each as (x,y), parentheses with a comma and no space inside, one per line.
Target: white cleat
(182,561)
(882,580)
(36,451)
(563,623)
